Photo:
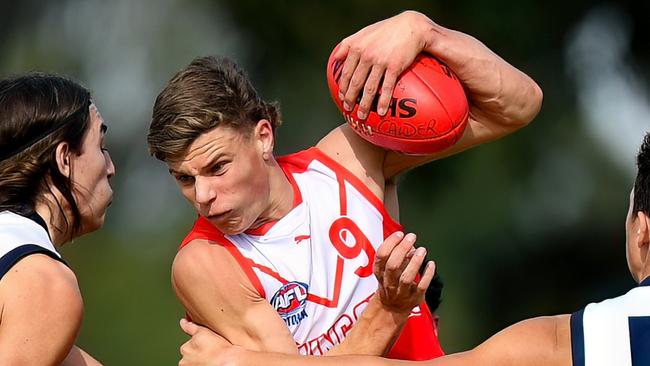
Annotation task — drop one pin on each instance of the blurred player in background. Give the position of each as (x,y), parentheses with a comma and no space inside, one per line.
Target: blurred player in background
(612,332)
(281,256)
(54,187)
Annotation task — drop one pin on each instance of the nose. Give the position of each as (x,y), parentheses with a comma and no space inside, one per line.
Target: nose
(110,167)
(203,190)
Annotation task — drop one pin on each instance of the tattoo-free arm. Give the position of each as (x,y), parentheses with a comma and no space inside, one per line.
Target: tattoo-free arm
(501,98)
(543,341)
(79,357)
(216,293)
(41,312)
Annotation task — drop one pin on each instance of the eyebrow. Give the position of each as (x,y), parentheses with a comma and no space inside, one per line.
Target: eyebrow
(208,165)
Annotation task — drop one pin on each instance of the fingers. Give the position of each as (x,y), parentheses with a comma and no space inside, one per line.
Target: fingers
(185,347)
(349,68)
(390,79)
(383,253)
(357,81)
(370,91)
(341,51)
(397,261)
(425,281)
(188,327)
(411,271)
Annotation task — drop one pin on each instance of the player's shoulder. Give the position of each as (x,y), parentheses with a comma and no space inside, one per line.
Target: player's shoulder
(39,268)
(360,157)
(39,280)
(199,255)
(204,263)
(623,304)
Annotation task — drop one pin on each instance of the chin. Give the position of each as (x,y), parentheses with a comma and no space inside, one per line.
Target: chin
(231,227)
(92,226)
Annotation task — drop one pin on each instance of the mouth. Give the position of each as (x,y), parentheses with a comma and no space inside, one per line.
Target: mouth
(219,216)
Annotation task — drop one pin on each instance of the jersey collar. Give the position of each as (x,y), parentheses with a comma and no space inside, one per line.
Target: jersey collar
(645,282)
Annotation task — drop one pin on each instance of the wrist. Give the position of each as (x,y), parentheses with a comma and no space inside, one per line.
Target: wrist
(423,29)
(234,356)
(398,313)
(437,40)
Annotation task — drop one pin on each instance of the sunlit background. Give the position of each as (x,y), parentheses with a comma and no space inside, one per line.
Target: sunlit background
(529,225)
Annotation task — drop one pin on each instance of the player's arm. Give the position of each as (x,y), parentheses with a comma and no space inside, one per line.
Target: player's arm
(79,357)
(502,99)
(541,341)
(216,293)
(41,312)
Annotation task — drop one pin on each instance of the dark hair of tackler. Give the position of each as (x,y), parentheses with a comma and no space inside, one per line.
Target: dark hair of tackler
(9,151)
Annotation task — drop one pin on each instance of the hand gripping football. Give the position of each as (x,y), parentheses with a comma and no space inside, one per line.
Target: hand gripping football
(428,111)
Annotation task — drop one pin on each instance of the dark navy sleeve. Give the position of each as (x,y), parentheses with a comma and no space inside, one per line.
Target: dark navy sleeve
(14,256)
(577,339)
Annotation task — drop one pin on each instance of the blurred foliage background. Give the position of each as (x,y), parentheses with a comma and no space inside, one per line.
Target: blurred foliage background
(528,225)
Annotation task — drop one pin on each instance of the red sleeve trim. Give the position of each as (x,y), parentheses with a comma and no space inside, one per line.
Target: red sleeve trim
(204,230)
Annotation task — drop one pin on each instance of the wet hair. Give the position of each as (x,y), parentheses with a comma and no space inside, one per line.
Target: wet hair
(37,112)
(642,182)
(209,92)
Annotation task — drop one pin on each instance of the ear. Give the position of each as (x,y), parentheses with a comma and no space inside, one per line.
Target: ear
(264,135)
(643,230)
(62,155)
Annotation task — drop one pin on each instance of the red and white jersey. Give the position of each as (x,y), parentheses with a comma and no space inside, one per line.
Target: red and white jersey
(314,265)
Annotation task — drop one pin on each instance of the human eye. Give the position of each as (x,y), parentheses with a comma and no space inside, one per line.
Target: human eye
(219,168)
(184,179)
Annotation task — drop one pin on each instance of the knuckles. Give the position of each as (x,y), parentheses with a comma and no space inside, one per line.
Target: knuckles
(392,267)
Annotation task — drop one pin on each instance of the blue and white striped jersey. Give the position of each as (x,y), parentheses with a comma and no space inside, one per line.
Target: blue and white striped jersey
(615,332)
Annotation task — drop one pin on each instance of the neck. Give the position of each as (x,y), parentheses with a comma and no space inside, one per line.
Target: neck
(644,271)
(280,196)
(55,222)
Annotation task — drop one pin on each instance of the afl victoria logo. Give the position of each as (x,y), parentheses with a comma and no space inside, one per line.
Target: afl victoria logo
(290,301)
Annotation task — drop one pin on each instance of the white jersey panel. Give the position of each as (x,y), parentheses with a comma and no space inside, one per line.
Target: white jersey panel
(302,260)
(16,230)
(615,331)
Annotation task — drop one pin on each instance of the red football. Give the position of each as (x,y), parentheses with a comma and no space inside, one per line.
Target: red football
(428,111)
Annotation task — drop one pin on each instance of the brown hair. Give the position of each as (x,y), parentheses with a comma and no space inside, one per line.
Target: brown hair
(37,112)
(642,181)
(209,92)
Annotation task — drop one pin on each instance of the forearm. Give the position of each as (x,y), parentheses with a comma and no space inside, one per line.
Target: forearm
(501,91)
(243,357)
(374,333)
(18,353)
(78,357)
